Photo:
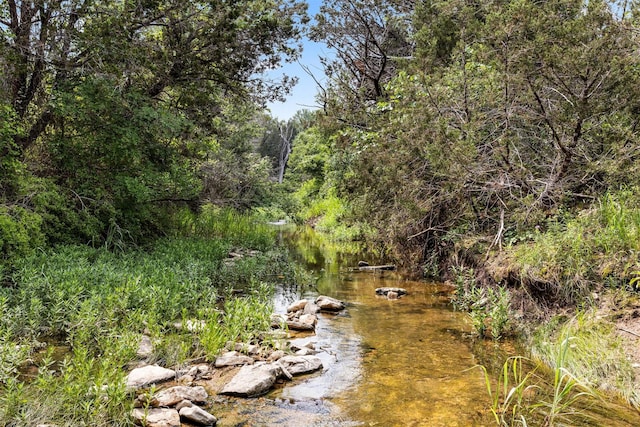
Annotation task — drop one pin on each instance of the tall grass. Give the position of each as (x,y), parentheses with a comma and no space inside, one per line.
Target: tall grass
(528,396)
(596,355)
(99,304)
(599,245)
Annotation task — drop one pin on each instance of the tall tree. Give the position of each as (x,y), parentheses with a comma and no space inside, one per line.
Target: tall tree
(370,38)
(164,48)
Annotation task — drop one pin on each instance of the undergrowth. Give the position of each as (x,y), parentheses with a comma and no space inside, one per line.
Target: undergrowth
(98,303)
(597,356)
(599,245)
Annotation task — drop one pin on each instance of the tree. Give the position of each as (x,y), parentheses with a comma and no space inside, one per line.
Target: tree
(508,112)
(370,39)
(278,140)
(117,104)
(164,49)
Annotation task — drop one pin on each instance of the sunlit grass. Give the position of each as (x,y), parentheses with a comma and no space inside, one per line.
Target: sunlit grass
(596,355)
(601,245)
(99,303)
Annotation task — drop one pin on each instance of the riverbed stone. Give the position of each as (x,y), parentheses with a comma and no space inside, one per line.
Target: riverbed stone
(297,306)
(232,358)
(392,295)
(296,325)
(277,320)
(252,349)
(252,380)
(385,291)
(276,355)
(297,365)
(145,347)
(147,375)
(198,371)
(309,319)
(311,308)
(197,415)
(173,395)
(184,404)
(156,417)
(329,304)
(305,352)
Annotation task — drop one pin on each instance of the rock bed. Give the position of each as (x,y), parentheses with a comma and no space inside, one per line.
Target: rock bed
(255,370)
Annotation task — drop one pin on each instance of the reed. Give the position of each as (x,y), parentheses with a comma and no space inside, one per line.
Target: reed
(99,302)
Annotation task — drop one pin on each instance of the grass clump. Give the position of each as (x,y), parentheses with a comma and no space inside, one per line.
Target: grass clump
(525,395)
(487,307)
(596,355)
(98,303)
(574,255)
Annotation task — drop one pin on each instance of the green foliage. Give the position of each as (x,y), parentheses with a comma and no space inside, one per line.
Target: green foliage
(526,397)
(98,303)
(511,398)
(20,232)
(593,354)
(488,308)
(507,115)
(598,245)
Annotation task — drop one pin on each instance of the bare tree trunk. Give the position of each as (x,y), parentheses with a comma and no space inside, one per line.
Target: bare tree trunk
(286,137)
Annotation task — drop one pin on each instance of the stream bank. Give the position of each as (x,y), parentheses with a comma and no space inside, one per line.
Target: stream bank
(411,361)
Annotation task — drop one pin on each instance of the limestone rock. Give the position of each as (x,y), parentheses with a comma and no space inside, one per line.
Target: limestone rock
(297,306)
(197,415)
(201,370)
(147,375)
(305,352)
(329,304)
(174,395)
(277,320)
(297,365)
(156,417)
(309,319)
(145,347)
(252,349)
(232,358)
(385,291)
(296,325)
(184,404)
(252,380)
(311,308)
(276,355)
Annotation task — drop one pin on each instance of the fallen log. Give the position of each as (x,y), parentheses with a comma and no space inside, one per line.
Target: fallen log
(376,268)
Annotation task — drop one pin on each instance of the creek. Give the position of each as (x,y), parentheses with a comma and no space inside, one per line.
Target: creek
(407,362)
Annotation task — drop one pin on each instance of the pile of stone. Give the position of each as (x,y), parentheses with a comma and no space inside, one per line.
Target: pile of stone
(170,406)
(302,314)
(259,369)
(391,293)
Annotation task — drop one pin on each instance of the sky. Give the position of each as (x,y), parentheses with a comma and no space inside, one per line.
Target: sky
(303,94)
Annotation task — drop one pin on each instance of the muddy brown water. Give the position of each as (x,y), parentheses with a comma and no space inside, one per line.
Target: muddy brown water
(406,362)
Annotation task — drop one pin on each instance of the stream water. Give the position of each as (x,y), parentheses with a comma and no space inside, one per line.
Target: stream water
(406,362)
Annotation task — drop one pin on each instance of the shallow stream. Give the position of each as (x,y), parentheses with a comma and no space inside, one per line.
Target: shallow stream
(406,362)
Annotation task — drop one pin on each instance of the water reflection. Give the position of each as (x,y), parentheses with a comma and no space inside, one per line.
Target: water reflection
(406,362)
(402,362)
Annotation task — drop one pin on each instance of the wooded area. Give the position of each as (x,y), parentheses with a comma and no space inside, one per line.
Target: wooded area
(494,144)
(458,128)
(115,111)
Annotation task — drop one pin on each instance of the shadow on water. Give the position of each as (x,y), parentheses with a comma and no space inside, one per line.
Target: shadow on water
(406,362)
